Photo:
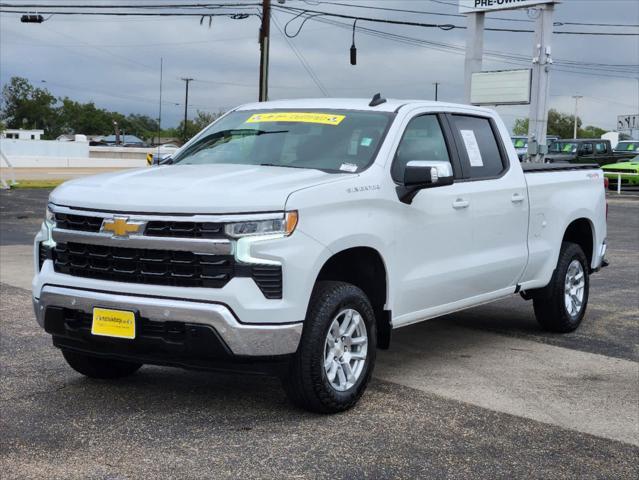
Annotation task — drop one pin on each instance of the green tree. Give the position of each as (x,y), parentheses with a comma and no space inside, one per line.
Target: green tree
(25,106)
(591,132)
(559,124)
(85,118)
(520,127)
(200,122)
(141,126)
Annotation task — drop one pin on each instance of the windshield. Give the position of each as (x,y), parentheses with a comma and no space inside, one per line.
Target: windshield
(328,140)
(520,142)
(627,147)
(563,147)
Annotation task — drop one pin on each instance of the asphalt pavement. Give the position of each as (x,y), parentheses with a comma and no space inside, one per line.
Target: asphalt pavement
(482,393)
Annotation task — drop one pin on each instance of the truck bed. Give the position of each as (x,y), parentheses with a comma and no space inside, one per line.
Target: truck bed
(557,167)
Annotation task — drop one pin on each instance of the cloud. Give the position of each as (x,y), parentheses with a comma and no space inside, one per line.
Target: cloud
(115,61)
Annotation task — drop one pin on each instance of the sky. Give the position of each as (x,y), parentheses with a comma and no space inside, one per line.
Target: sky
(115,61)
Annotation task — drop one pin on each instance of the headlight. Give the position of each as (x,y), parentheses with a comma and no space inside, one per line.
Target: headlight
(49,216)
(279,226)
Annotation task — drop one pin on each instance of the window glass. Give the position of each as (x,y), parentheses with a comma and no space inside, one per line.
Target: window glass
(601,147)
(334,141)
(586,148)
(422,140)
(479,146)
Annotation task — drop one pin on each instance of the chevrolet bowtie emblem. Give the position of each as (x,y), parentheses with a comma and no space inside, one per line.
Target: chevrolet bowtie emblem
(121,226)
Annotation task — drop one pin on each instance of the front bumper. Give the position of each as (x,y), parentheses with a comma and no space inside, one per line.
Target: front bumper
(61,311)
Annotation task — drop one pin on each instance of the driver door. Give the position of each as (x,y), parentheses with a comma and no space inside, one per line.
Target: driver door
(434,240)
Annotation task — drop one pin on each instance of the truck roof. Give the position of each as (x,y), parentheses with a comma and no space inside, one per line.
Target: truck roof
(390,105)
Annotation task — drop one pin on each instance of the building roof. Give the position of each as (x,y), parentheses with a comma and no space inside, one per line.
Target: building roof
(22,130)
(123,139)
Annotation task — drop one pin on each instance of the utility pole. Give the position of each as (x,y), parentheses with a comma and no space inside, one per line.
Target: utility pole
(186,104)
(474,49)
(541,67)
(265,33)
(436,88)
(576,97)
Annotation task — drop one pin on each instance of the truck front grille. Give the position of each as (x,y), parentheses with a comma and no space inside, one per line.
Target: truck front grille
(134,265)
(184,229)
(81,223)
(154,228)
(161,267)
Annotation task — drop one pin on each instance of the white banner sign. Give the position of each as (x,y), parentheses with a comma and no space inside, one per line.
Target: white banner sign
(506,87)
(627,122)
(469,6)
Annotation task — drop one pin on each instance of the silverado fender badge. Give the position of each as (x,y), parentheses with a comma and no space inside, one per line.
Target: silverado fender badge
(363,188)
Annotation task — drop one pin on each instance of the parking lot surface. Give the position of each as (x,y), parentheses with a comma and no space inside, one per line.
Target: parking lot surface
(482,393)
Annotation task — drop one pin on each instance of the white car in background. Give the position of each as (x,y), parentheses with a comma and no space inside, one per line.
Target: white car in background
(161,153)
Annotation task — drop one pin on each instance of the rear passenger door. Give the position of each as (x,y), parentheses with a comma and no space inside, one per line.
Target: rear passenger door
(498,206)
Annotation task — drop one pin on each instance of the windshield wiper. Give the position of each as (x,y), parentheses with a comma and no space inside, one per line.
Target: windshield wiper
(284,166)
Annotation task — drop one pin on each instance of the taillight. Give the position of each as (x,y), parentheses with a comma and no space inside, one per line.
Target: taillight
(606,183)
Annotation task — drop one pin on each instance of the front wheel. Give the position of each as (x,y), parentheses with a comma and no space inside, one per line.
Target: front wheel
(336,355)
(561,305)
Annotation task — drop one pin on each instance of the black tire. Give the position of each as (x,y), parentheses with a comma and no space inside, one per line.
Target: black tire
(549,303)
(96,367)
(306,383)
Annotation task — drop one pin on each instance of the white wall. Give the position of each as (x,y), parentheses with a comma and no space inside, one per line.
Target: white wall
(55,154)
(43,148)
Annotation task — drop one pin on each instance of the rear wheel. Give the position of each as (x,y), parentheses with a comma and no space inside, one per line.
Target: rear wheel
(561,305)
(336,355)
(97,367)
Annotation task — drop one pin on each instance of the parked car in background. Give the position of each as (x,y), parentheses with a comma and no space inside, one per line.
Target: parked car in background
(161,153)
(521,146)
(584,151)
(629,173)
(551,139)
(627,146)
(520,142)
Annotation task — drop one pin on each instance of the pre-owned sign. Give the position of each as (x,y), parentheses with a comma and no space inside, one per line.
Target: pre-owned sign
(469,6)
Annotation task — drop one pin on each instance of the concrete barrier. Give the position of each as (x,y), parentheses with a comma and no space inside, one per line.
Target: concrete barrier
(55,154)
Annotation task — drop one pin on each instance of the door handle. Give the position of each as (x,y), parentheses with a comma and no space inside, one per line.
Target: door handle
(517,198)
(460,203)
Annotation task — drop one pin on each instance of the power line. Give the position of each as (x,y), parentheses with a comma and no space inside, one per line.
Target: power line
(460,15)
(459,50)
(302,60)
(307,14)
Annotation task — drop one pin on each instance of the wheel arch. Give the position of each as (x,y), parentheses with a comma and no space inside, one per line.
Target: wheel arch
(581,231)
(365,268)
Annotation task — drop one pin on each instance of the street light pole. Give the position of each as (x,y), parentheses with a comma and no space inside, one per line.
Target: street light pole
(576,97)
(265,33)
(186,104)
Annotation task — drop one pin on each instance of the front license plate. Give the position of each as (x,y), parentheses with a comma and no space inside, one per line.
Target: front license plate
(113,323)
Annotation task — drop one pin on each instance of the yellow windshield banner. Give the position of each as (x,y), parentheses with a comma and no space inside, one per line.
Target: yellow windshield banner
(298,117)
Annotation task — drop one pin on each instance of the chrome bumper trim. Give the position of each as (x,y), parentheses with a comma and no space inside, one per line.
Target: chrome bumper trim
(249,340)
(196,245)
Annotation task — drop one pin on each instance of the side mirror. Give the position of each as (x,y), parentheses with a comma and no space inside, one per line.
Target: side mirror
(419,175)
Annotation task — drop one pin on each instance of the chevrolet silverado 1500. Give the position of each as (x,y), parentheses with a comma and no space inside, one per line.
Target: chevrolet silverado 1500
(299,234)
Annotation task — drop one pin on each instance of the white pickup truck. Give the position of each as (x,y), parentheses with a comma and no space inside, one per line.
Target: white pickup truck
(294,236)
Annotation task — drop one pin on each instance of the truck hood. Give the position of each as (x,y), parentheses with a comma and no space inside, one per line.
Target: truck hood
(190,189)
